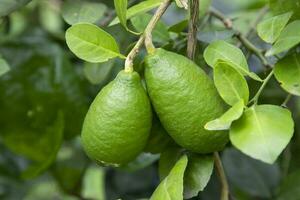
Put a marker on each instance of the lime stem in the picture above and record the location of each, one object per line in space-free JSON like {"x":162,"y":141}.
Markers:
{"x":192,"y":32}
{"x":222,"y":176}
{"x":146,"y":35}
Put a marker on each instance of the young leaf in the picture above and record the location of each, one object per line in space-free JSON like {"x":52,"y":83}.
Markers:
{"x":263,"y":132}
{"x":91,"y":43}
{"x":4,"y":67}
{"x":230,"y":84}
{"x":224,"y":122}
{"x":82,"y":11}
{"x":270,"y":29}
{"x":172,"y":186}
{"x":287,"y":72}
{"x":197,"y":174}
{"x":160,"y":33}
{"x":288,"y":38}
{"x":96,"y":73}
{"x":137,"y":9}
{"x":228,"y":52}
{"x":121,"y":10}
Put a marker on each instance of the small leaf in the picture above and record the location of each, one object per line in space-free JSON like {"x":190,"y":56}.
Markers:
{"x":82,"y":11}
{"x":160,"y":33}
{"x":287,"y":72}
{"x":270,"y":29}
{"x":197,"y":174}
{"x":97,"y":73}
{"x":228,"y":52}
{"x":182,"y":4}
{"x":137,"y":9}
{"x":288,"y":38}
{"x":224,"y":122}
{"x":230,"y":84}
{"x":172,"y":186}
{"x":91,"y":43}
{"x":263,"y":132}
{"x":4,"y":67}
{"x":121,"y":10}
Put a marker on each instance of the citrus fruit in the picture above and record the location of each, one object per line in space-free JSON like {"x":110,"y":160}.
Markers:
{"x":117,"y":125}
{"x":185,"y":99}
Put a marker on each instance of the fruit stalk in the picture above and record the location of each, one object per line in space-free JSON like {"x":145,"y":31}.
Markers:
{"x":223,"y":179}
{"x":192,"y":33}
{"x":147,"y":34}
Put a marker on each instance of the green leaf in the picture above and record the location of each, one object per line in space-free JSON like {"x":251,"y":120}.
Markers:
{"x":224,"y":122}
{"x":182,"y":4}
{"x":287,"y":72}
{"x":221,"y":50}
{"x":93,"y":183}
{"x":8,"y":6}
{"x":270,"y":29}
{"x":160,"y":33}
{"x":263,"y":132}
{"x":91,"y":43}
{"x":121,"y":10}
{"x":4,"y":67}
{"x":283,"y":6}
{"x":197,"y":174}
{"x":252,"y":176}
{"x":167,"y":160}
{"x":179,"y":27}
{"x":98,"y":73}
{"x":82,"y":11}
{"x":288,"y":38}
{"x":171,"y":188}
{"x":139,"y":8}
{"x":230,"y":84}
{"x":204,"y":7}
{"x":289,"y":189}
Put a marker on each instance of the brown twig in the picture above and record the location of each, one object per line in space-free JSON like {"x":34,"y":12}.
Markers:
{"x":222,"y":176}
{"x":192,"y":32}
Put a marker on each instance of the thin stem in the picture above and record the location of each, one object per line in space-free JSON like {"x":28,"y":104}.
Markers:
{"x":286,"y":100}
{"x":147,"y":34}
{"x":259,"y":17}
{"x":217,"y":14}
{"x":192,"y":33}
{"x":256,"y":97}
{"x":222,"y":176}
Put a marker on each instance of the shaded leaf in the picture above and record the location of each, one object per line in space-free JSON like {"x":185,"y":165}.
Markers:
{"x":282,"y":6}
{"x":289,"y":189}
{"x":251,"y":176}
{"x":288,"y":38}
{"x":160,"y":33}
{"x":270,"y":29}
{"x":230,"y":84}
{"x":8,"y":6}
{"x":167,"y":160}
{"x":171,"y":188}
{"x":287,"y":72}
{"x":82,"y":11}
{"x":140,"y":162}
{"x":91,"y":43}
{"x":263,"y":132}
{"x":139,"y":8}
{"x":224,"y":122}
{"x":197,"y":174}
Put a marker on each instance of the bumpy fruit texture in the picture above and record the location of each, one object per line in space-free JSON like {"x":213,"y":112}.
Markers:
{"x":158,"y":139}
{"x":117,"y":125}
{"x":185,"y":99}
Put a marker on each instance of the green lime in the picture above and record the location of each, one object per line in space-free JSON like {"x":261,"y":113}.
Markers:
{"x":117,"y":125}
{"x":185,"y":99}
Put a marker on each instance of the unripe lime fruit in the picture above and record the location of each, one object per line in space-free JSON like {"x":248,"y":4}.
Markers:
{"x":117,"y":125}
{"x":185,"y":99}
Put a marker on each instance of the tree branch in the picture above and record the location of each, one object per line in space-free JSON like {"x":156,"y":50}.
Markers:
{"x":192,"y":33}
{"x":222,"y":176}
{"x":147,"y":34}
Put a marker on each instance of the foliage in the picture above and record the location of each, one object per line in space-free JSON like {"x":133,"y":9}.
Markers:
{"x":56,"y":55}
